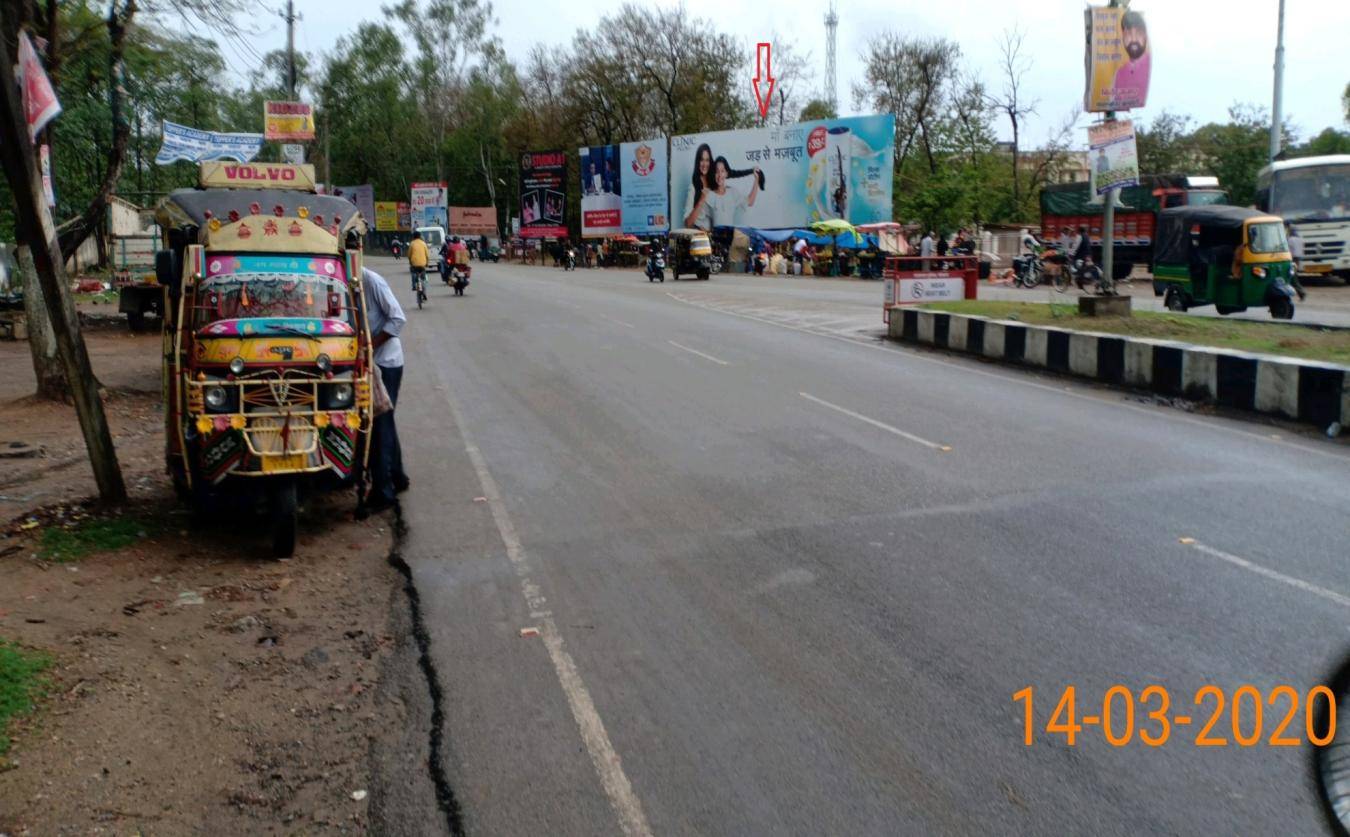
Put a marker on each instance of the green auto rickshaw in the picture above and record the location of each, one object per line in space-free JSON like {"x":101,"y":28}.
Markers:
{"x":690,"y":252}
{"x":1226,"y":256}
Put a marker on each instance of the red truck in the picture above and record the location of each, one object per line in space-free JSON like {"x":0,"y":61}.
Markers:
{"x":1068,"y":205}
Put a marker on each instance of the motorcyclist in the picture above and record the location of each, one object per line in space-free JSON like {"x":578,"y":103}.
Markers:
{"x":654,"y":252}
{"x":1082,"y":252}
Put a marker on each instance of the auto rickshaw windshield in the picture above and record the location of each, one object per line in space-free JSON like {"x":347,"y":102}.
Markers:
{"x":249,"y":295}
{"x":1267,"y":237}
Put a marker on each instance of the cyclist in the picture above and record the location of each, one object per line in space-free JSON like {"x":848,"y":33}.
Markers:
{"x":417,"y":259}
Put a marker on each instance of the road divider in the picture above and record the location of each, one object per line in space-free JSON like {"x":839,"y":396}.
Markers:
{"x":1308,"y":391}
{"x":938,"y":446}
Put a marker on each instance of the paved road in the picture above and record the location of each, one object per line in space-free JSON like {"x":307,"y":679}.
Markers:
{"x":786,"y":578}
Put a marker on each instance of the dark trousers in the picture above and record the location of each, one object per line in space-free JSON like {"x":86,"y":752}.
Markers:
{"x":386,"y":457}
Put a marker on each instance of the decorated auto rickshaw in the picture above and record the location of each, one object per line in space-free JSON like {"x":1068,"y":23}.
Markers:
{"x":1226,"y":256}
{"x":691,"y":252}
{"x":267,"y":352}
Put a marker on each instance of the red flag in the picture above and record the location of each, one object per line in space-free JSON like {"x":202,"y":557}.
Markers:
{"x":39,"y":99}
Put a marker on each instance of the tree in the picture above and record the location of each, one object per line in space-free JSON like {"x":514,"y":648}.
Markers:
{"x":1165,"y":145}
{"x":1014,"y":66}
{"x":911,"y":79}
{"x":791,"y":71}
{"x":447,"y":35}
{"x":817,"y":109}
{"x":1330,"y":141}
{"x":1234,"y":152}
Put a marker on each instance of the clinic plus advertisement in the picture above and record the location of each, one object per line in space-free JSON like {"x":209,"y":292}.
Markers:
{"x":623,"y":189}
{"x":786,"y":176}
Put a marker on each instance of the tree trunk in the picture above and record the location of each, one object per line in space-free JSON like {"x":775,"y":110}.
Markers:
{"x":47,"y":367}
{"x":1017,"y":194}
{"x":36,"y":230}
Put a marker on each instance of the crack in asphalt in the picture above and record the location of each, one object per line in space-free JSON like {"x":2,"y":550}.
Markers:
{"x":445,"y":795}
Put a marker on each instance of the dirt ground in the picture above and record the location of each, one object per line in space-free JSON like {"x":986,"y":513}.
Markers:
{"x":198,"y":686}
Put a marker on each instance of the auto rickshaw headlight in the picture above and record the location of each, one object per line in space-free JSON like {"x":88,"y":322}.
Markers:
{"x":217,"y":399}
{"x":337,"y":396}
{"x":324,"y":362}
{"x":237,"y":366}
{"x":1259,"y":272}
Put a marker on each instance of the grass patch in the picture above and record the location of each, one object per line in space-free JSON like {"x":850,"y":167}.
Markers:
{"x":89,"y":536}
{"x":1331,"y":345}
{"x":101,"y":298}
{"x":22,"y":683}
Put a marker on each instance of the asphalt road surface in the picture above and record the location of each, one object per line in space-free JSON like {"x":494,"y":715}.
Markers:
{"x":710,"y":558}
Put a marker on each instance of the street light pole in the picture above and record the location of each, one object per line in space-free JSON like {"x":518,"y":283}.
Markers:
{"x":1277,"y":105}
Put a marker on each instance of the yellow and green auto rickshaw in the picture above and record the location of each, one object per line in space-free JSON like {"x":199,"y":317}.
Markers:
{"x":267,"y":351}
{"x":1225,"y":256}
{"x":690,"y":252}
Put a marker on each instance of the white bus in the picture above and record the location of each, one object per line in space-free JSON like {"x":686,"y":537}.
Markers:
{"x":1313,"y":195}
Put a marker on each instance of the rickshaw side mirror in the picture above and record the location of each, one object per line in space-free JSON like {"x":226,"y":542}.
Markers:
{"x":169,"y":270}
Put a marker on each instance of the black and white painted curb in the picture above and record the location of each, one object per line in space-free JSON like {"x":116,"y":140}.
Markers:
{"x":1304,"y":390}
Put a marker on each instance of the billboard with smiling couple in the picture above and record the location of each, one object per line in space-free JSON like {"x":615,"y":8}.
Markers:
{"x":786,"y":176}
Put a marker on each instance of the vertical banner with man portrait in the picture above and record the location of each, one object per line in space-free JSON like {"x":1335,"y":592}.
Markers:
{"x":601,"y":191}
{"x":1113,"y":159}
{"x":785,"y":176}
{"x":543,"y":194}
{"x":1118,"y":59}
{"x":646,"y":192}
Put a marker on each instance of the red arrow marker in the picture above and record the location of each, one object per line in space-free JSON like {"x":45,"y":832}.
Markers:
{"x":763,"y":74}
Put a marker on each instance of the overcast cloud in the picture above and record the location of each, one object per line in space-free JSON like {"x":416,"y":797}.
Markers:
{"x":1207,"y":54}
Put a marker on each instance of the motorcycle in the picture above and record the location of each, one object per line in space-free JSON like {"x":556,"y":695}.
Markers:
{"x":570,"y":263}
{"x":656,"y":269}
{"x":397,"y":249}
{"x":455,"y":275}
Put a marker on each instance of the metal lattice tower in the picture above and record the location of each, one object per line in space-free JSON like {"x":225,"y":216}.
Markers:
{"x":831,"y":79}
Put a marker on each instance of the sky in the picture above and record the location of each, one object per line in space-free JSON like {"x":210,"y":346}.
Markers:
{"x":1207,"y":54}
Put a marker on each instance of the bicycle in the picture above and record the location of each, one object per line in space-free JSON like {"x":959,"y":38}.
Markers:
{"x":420,"y":284}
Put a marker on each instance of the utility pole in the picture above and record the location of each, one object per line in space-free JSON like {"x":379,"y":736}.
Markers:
{"x":290,"y":49}
{"x":1109,"y":217}
{"x":38,"y":231}
{"x":831,"y":79}
{"x":1277,"y":106}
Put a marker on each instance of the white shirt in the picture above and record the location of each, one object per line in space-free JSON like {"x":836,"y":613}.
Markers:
{"x":597,"y":183}
{"x":799,"y":247}
{"x":384,"y":314}
{"x":723,"y":209}
{"x":926,"y":246}
{"x":1296,"y":247}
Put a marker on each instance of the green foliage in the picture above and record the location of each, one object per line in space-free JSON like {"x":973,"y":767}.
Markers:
{"x":1330,"y":141}
{"x":1235,"y":151}
{"x":22,"y":683}
{"x":817,"y":109}
{"x":62,"y":544}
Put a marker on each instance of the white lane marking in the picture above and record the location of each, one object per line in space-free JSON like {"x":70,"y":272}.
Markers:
{"x":697,"y":352}
{"x":612,"y":320}
{"x":880,"y":342}
{"x":1305,"y":586}
{"x":603,"y":756}
{"x":881,"y":424}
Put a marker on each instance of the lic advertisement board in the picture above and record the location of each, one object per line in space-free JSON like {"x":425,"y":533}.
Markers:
{"x":543,"y":194}
{"x":623,"y":189}
{"x":786,"y":176}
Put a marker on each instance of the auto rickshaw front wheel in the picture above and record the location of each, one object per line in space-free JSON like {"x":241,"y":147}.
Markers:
{"x":1175,"y":300}
{"x":282,"y":509}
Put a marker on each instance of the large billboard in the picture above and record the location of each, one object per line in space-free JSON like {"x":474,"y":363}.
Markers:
{"x":543,"y":194}
{"x":601,"y":191}
{"x":788,"y":176}
{"x":624,"y":189}
{"x":1118,"y":59}
{"x":473,"y":221}
{"x":428,"y":201}
{"x":362,"y":196}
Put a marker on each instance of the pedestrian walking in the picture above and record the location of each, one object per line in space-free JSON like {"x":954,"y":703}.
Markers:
{"x":1296,"y":252}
